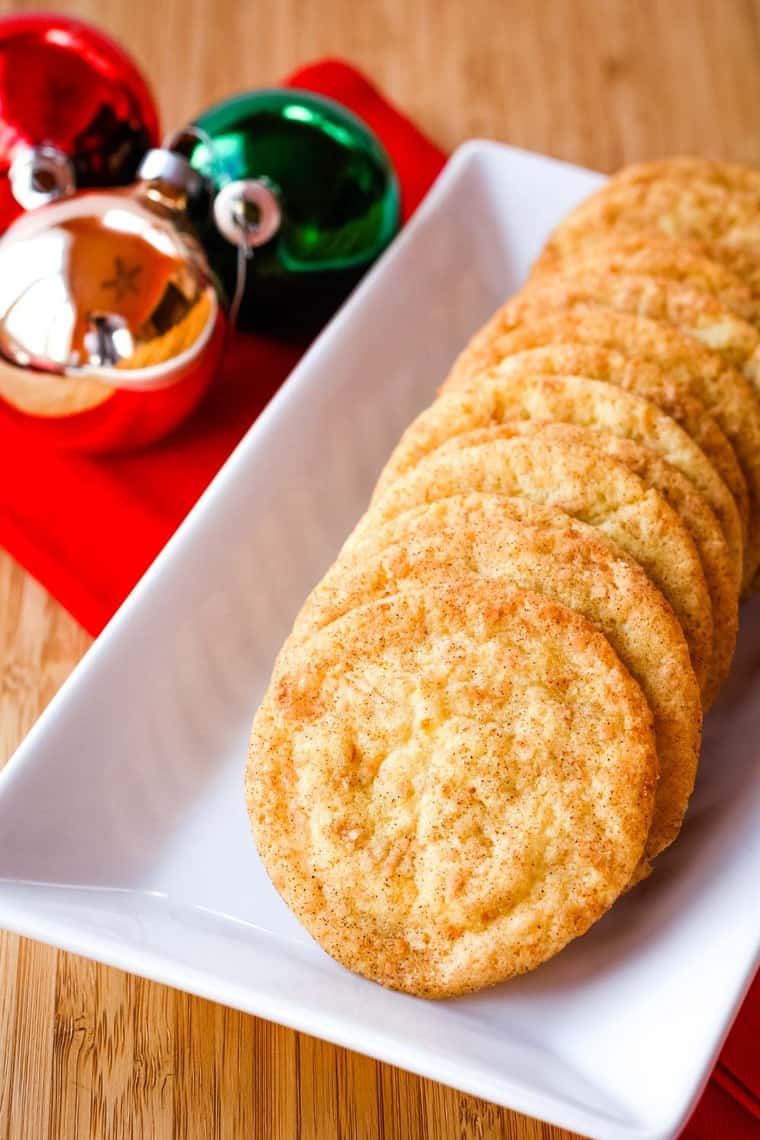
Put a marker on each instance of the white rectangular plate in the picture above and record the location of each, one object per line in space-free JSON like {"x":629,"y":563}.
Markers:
{"x":123,"y":834}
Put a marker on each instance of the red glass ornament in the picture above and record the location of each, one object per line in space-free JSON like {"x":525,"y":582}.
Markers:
{"x":75,"y":112}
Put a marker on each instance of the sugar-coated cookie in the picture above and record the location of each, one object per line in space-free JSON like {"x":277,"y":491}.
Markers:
{"x":449,"y":785}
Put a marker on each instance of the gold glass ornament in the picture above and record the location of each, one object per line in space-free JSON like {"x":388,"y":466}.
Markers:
{"x":107,"y":295}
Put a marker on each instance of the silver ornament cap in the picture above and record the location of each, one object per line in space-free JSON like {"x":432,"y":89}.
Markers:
{"x":39,"y":175}
{"x":247,"y":212}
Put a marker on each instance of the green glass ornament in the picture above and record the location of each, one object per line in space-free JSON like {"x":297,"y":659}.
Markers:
{"x":304,"y":199}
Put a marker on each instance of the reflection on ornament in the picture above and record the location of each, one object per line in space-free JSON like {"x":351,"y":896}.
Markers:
{"x":110,"y":324}
{"x":75,"y":112}
{"x":49,"y":395}
{"x":309,"y":186}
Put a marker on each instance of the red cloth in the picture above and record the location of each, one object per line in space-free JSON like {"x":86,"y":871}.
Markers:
{"x":730,"y":1106}
{"x":87,"y":529}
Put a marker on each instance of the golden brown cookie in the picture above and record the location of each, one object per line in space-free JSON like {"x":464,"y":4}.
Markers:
{"x":691,"y":167}
{"x":693,"y":310}
{"x":654,"y":254}
{"x":587,"y":485}
{"x":726,"y":394}
{"x":643,"y":378}
{"x":497,"y":396}
{"x":680,"y":493}
{"x":724,"y":220}
{"x":541,"y":549}
{"x":447,"y":786}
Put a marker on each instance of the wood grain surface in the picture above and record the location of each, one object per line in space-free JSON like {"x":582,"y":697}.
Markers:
{"x":86,"y":1051}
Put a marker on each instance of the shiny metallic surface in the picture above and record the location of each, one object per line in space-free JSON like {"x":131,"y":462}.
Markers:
{"x":168,"y":166}
{"x":65,"y":84}
{"x":336,"y":194}
{"x":106,"y":287}
{"x":247,"y":212}
{"x":39,"y":175}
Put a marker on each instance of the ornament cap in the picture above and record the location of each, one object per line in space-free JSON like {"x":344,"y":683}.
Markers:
{"x":163,"y":165}
{"x":40,"y":174}
{"x":247,"y":212}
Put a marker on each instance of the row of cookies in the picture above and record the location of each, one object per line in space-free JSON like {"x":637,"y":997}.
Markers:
{"x":487,"y":719}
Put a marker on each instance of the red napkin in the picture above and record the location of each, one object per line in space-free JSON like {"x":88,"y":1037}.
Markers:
{"x":730,"y":1106}
{"x":87,"y":529}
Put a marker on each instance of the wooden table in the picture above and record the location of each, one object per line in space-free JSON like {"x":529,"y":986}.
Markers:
{"x":86,"y":1051}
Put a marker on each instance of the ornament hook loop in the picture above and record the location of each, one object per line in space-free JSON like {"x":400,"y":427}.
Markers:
{"x":41,"y":174}
{"x":247,"y":212}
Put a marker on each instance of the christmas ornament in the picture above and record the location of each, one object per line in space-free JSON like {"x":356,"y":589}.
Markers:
{"x":304,"y":199}
{"x":110,"y":324}
{"x":74,"y":111}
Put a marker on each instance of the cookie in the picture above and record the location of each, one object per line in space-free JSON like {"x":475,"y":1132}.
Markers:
{"x":695,"y":311}
{"x":654,"y":254}
{"x":686,"y":501}
{"x":541,"y":549}
{"x":496,"y":397}
{"x":723,"y":219}
{"x":691,"y":167}
{"x":644,"y":379}
{"x":587,"y":485}
{"x":726,"y":394}
{"x":447,"y":786}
